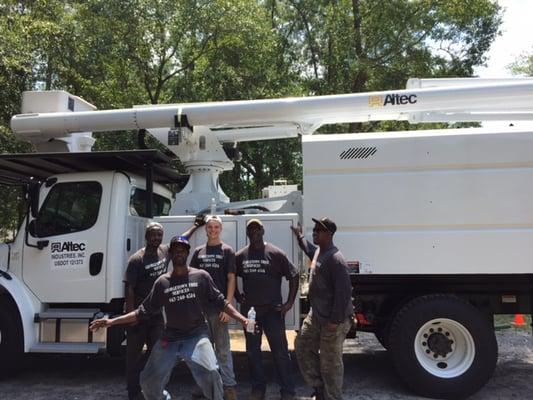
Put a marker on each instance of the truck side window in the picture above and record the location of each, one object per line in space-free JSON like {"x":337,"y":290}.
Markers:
{"x":161,"y":205}
{"x":69,"y":207}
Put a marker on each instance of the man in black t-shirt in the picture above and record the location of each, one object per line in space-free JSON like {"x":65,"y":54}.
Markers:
{"x":182,"y":294}
{"x":319,"y":342}
{"x":144,"y":267}
{"x":262,"y":266}
{"x":218,"y":259}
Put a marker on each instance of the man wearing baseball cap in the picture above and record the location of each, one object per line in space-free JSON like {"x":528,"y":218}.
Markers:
{"x":319,"y":342}
{"x":182,"y":294}
{"x":262,"y":266}
{"x":144,"y":267}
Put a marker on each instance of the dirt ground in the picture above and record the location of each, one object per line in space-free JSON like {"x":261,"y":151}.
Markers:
{"x":368,"y":375}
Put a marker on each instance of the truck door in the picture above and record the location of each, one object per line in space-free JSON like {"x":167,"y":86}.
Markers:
{"x":73,"y":219}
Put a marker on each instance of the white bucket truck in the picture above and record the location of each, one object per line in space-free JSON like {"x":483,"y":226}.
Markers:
{"x":437,"y":224}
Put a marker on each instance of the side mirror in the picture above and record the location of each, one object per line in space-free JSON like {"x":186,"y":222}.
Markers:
{"x":33,"y":193}
{"x":31,"y":228}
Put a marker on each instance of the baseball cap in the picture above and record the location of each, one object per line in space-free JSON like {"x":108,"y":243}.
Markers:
{"x":180,"y":240}
{"x":213,"y":218}
{"x":326,"y":223}
{"x":153,"y":225}
{"x":254,"y":221}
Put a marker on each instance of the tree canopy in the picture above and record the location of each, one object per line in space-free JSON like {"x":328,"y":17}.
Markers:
{"x":523,"y":65}
{"x":121,"y":53}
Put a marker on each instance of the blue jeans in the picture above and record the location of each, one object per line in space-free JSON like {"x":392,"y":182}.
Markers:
{"x":272,"y":324}
{"x":218,"y":331}
{"x":198,"y":354}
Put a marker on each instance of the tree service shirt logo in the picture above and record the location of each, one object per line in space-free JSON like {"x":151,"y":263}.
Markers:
{"x":255,"y":266}
{"x":182,"y":292}
{"x":156,"y":268}
{"x":210,"y":261}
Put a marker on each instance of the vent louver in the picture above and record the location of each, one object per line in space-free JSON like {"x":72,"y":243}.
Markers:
{"x":357,"y":152}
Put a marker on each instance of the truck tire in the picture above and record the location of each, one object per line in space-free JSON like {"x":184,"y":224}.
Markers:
{"x":443,"y":347}
{"x":11,"y":339}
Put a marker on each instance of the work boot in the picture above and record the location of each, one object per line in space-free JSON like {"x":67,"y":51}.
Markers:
{"x":257,"y":395}
{"x":230,"y":393}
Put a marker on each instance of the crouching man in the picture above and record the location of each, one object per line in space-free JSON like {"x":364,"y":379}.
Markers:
{"x":182,"y":294}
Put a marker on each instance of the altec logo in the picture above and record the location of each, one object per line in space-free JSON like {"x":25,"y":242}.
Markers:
{"x":67,"y":246}
{"x":392,"y":99}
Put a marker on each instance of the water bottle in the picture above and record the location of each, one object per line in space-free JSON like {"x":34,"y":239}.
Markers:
{"x":250,"y":328}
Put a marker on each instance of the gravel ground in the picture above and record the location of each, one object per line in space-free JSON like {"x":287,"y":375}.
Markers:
{"x":368,"y":375}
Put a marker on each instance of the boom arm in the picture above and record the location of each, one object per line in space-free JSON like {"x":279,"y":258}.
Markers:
{"x":195,"y":131}
{"x":305,"y":113}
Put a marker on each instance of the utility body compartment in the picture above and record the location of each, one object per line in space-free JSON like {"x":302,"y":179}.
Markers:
{"x":426,"y":202}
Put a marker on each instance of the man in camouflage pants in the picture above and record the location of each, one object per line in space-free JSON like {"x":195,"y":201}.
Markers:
{"x":319,"y":343}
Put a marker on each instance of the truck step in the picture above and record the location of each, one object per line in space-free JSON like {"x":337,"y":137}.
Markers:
{"x":66,"y":313}
{"x":82,"y":348}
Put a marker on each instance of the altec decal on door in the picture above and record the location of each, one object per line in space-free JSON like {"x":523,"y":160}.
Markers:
{"x":67,"y":255}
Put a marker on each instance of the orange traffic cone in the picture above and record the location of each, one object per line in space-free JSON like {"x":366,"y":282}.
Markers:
{"x":519,"y":320}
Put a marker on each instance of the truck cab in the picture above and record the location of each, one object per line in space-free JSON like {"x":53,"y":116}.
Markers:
{"x":67,"y":261}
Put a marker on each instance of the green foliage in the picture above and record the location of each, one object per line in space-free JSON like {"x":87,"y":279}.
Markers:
{"x":117,"y":54}
{"x":355,"y":45}
{"x":523,"y":65}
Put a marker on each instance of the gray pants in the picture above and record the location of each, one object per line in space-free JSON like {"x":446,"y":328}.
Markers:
{"x":218,"y":332}
{"x":319,"y":354}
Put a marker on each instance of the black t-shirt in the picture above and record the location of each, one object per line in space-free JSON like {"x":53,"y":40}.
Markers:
{"x":144,"y":269}
{"x":183,"y":299}
{"x":218,"y":261}
{"x":330,"y":288}
{"x":261,"y":272}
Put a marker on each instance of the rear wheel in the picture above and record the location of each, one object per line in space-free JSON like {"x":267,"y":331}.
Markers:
{"x":443,"y":347}
{"x":11,"y":340}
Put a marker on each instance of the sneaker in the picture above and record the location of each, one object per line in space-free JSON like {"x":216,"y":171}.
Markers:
{"x":166,"y":395}
{"x":257,"y":395}
{"x":230,"y":393}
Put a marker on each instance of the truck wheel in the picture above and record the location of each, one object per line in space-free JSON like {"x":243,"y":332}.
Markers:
{"x":11,"y":340}
{"x":443,"y":347}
